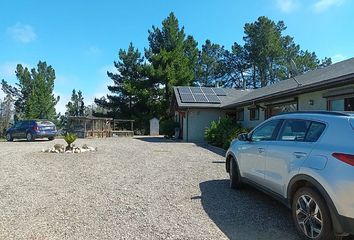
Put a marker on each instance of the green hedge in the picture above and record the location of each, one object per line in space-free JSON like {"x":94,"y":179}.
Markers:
{"x":222,"y":132}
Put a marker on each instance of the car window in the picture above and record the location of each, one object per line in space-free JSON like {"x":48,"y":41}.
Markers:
{"x":18,"y":124}
{"x":294,"y":130}
{"x":266,"y":131}
{"x":315,"y":131}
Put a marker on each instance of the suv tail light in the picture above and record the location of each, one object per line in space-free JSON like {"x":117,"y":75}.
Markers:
{"x":347,"y":158}
{"x":35,"y":128}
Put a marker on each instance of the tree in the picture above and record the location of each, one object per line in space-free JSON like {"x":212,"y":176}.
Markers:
{"x":6,"y":112}
{"x":33,"y":94}
{"x":131,"y":90}
{"x":76,"y":106}
{"x":173,"y":59}
{"x":235,"y":67}
{"x":209,"y":64}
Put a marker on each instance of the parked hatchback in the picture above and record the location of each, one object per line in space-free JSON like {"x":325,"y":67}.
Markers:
{"x":306,"y":160}
{"x":31,"y":129}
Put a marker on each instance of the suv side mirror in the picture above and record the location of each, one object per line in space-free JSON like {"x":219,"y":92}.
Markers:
{"x":243,"y":137}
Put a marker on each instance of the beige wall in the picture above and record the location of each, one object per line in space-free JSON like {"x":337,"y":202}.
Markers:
{"x":251,"y":124}
{"x":198,"y":121}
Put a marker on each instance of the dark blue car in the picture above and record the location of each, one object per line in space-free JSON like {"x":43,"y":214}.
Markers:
{"x":31,"y":129}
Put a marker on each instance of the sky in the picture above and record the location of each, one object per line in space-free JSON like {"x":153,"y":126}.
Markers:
{"x":81,"y":39}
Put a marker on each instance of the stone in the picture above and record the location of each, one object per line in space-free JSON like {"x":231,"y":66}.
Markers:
{"x":58,"y":147}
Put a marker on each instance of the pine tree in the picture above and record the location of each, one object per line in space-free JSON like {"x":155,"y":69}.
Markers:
{"x":33,"y":94}
{"x":173,"y":59}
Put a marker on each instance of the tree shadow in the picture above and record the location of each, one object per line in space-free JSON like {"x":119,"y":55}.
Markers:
{"x":247,"y":213}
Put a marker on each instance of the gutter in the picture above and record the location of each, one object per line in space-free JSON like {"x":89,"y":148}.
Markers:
{"x":300,"y":89}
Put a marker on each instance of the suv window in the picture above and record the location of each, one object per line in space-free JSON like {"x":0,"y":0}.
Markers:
{"x":266,"y":131}
{"x":315,"y":131}
{"x":301,"y":130}
{"x":294,"y":130}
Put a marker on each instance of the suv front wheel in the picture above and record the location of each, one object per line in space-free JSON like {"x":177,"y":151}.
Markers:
{"x":311,"y":215}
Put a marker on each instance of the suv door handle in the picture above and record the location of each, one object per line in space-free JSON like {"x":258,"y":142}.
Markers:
{"x":300,"y":154}
{"x":261,"y":150}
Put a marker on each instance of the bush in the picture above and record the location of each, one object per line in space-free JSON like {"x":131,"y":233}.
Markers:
{"x":70,"y":138}
{"x":222,"y":132}
{"x":167,"y":127}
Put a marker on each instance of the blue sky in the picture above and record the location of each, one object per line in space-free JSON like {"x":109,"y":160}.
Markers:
{"x":81,"y":39}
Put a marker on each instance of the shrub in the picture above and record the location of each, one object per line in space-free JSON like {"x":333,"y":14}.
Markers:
{"x":167,"y":127}
{"x":69,"y":139}
{"x":222,"y":132}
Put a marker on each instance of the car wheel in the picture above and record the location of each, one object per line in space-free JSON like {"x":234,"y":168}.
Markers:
{"x":9,"y":137}
{"x":235,"y":178}
{"x":29,"y":137}
{"x":311,"y":215}
{"x":51,"y":138}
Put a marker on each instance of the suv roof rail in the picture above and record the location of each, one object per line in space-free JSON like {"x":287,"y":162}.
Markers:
{"x":333,"y":113}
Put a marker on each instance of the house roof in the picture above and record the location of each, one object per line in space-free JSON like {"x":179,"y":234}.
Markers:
{"x":331,"y":75}
{"x":230,"y":95}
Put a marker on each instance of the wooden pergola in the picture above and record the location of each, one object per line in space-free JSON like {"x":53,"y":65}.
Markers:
{"x":85,"y":127}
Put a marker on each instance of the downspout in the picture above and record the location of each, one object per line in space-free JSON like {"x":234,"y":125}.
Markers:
{"x":187,"y":125}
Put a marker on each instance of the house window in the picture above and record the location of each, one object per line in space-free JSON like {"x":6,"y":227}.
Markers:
{"x":273,"y":110}
{"x":254,"y":114}
{"x":341,"y":104}
{"x":240,"y":114}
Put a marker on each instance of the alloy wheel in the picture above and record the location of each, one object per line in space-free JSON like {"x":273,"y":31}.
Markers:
{"x":309,"y":216}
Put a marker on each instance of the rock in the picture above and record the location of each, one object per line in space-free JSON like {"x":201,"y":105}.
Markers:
{"x":85,"y":146}
{"x":58,"y":147}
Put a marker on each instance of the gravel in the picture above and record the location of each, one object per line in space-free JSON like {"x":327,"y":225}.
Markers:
{"x":144,"y":188}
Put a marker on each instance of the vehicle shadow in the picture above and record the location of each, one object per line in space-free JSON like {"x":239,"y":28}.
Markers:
{"x":36,"y":140}
{"x":247,"y":213}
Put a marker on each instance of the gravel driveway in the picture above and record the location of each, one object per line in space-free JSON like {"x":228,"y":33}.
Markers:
{"x":143,"y":188}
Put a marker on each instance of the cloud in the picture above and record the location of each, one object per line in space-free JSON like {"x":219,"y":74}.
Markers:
{"x":323,"y":5}
{"x":287,"y":6}
{"x":338,"y":57}
{"x":22,"y":33}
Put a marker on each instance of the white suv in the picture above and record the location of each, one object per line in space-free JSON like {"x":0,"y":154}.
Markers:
{"x":306,"y":160}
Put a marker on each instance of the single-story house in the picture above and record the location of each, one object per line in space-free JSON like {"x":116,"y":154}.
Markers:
{"x":330,"y":88}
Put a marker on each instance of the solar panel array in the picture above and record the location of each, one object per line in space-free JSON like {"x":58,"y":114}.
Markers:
{"x":200,"y":94}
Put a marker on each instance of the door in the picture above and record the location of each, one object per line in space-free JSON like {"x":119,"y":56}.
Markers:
{"x":252,"y":154}
{"x":292,"y":147}
{"x":16,"y":130}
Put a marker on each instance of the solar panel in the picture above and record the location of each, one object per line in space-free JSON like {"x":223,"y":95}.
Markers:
{"x":213,"y":98}
{"x":196,"y":90}
{"x":187,"y":98}
{"x":207,"y":91}
{"x":219,"y":91}
{"x":200,"y":98}
{"x":184,"y":90}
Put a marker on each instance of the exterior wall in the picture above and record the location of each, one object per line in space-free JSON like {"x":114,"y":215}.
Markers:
{"x":319,"y":102}
{"x":198,"y":121}
{"x":247,"y":123}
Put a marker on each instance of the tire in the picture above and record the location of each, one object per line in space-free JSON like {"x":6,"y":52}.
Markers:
{"x":234,"y":173}
{"x":311,"y":215}
{"x":9,"y":137}
{"x":29,"y":137}
{"x":51,"y":138}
